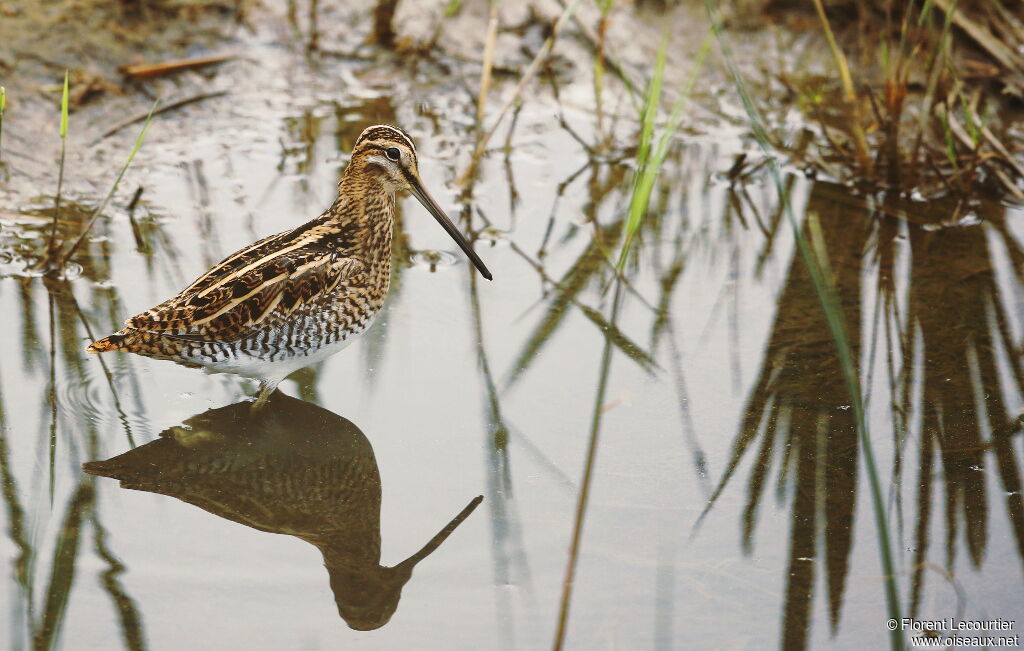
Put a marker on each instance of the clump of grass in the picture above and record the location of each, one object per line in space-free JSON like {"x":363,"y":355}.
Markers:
{"x":898,"y":138}
{"x":849,"y":93}
{"x":383,"y":23}
{"x":452,"y":8}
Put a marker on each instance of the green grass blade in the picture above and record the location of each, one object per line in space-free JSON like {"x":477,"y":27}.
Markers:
{"x":648,"y":164}
{"x":117,"y":181}
{"x":3,"y":104}
{"x":51,"y":245}
{"x":64,"y":109}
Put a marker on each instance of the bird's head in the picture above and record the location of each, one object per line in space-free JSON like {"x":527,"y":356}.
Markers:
{"x":388,"y":154}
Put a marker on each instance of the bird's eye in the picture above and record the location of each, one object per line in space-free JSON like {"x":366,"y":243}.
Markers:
{"x":393,"y":153}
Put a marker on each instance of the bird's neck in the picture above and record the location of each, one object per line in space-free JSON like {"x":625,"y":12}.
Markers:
{"x":365,"y":216}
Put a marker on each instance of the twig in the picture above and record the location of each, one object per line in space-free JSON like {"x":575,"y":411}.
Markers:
{"x":163,"y":109}
{"x":981,"y":35}
{"x":314,"y":34}
{"x":148,"y":70}
{"x":3,"y":103}
{"x":485,"y":74}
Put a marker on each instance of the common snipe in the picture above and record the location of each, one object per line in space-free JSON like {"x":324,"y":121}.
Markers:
{"x":292,"y":299}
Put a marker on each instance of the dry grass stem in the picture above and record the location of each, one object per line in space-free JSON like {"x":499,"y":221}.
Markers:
{"x":528,"y":75}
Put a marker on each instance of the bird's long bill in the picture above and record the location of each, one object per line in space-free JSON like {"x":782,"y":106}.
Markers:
{"x":441,"y":536}
{"x":428,"y":202}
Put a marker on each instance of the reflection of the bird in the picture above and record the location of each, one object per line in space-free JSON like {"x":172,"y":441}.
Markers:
{"x":295,"y":469}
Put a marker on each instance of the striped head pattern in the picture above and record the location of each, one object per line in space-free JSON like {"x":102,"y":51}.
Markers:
{"x":390,"y":150}
{"x":389,"y":153}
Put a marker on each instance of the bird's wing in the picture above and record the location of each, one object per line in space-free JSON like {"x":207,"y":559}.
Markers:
{"x":260,"y":293}
{"x":255,"y":251}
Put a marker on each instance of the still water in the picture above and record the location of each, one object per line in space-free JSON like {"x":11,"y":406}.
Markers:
{"x":300,"y":528}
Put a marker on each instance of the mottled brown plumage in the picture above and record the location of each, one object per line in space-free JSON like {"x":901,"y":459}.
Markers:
{"x":293,"y":298}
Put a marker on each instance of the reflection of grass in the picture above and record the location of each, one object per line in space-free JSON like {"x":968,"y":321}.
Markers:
{"x":508,"y":549}
{"x":954,"y":373}
{"x":17,"y":530}
{"x":62,"y":567}
{"x":51,"y":391}
{"x":800,"y":407}
{"x":957,"y":321}
{"x":566,"y":293}
{"x":65,"y":322}
{"x":128,"y":615}
{"x":583,"y":498}
{"x":814,"y":255}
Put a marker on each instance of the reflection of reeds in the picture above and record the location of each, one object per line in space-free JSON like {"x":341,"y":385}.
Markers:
{"x":584,"y":271}
{"x":16,"y":528}
{"x":813,"y":251}
{"x":129,"y":618}
{"x":957,"y":322}
{"x":506,"y":530}
{"x":800,"y":409}
{"x":953,"y":368}
{"x":51,"y":394}
{"x":62,"y":567}
{"x":583,"y":497}
{"x":64,"y":358}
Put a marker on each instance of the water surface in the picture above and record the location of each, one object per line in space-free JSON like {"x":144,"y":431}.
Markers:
{"x":723,"y":381}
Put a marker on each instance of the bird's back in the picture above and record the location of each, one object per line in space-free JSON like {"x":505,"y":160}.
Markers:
{"x":298,"y":295}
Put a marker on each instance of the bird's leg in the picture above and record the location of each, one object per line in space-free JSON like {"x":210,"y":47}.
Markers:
{"x":267,"y":387}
